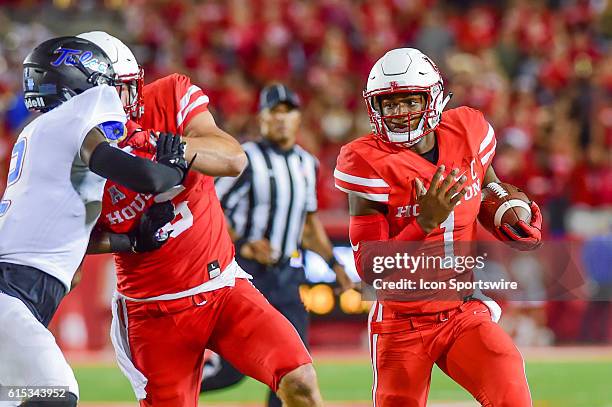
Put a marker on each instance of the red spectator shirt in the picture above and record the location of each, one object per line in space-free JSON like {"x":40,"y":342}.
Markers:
{"x":199,"y":240}
{"x":385,"y":173}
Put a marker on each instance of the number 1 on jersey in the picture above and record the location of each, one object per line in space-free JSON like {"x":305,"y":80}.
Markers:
{"x":448,"y":226}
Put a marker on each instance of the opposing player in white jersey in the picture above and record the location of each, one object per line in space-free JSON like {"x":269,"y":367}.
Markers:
{"x":53,"y":198}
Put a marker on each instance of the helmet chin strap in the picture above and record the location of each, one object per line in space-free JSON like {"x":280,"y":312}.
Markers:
{"x":66,"y":94}
{"x":445,"y":101}
{"x":416,"y":133}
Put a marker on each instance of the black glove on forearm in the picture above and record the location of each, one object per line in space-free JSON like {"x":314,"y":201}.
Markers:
{"x":146,"y":236}
{"x":171,"y":152}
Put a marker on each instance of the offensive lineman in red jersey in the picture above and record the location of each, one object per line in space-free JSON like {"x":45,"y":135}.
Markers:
{"x":386,"y":175}
{"x":189,"y":295}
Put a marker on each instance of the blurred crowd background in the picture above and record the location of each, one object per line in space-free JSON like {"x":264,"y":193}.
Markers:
{"x":541,"y":71}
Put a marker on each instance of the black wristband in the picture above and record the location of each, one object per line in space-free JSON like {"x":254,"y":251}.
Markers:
{"x":120,"y":243}
{"x":332,"y":262}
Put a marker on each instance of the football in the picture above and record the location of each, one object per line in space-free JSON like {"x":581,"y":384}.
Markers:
{"x":503,"y":203}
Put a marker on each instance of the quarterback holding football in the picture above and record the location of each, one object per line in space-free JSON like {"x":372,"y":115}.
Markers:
{"x":419,"y":176}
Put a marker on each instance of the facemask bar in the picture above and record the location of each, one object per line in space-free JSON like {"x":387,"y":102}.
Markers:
{"x":135,"y":101}
{"x":430,"y":115}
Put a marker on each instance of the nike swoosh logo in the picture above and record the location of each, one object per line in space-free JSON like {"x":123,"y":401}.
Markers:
{"x":199,"y":304}
{"x":355,"y":248}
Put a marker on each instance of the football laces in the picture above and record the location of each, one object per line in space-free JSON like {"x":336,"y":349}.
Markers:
{"x":497,"y":189}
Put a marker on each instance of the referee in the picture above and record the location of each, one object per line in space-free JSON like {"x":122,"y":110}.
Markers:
{"x":271,"y":211}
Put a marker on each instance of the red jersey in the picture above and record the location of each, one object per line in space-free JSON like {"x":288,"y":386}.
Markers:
{"x":385,"y":173}
{"x":199,"y":243}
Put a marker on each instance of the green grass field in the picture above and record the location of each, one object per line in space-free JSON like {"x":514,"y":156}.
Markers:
{"x":571,"y":383}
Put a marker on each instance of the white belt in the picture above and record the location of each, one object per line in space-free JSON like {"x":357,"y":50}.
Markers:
{"x":225,"y":279}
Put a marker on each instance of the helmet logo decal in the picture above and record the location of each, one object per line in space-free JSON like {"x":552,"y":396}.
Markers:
{"x":71,"y":57}
{"x":66,"y":55}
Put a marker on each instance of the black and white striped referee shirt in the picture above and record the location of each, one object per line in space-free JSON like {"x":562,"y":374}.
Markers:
{"x":271,"y":198}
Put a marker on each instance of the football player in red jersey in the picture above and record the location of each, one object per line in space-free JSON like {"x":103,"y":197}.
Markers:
{"x":190,"y":294}
{"x":417,"y":177}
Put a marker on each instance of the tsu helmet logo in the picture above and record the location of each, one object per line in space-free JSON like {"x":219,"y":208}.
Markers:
{"x":70,"y":57}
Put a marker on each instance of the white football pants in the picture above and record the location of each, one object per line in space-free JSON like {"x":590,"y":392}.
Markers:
{"x":29,"y":355}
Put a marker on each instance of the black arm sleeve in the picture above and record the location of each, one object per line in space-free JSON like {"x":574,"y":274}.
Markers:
{"x":135,"y":173}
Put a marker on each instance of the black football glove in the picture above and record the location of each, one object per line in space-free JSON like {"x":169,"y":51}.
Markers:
{"x":147,"y":236}
{"x":171,"y":152}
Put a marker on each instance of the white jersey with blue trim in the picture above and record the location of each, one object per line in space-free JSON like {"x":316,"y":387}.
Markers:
{"x":52,"y":199}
